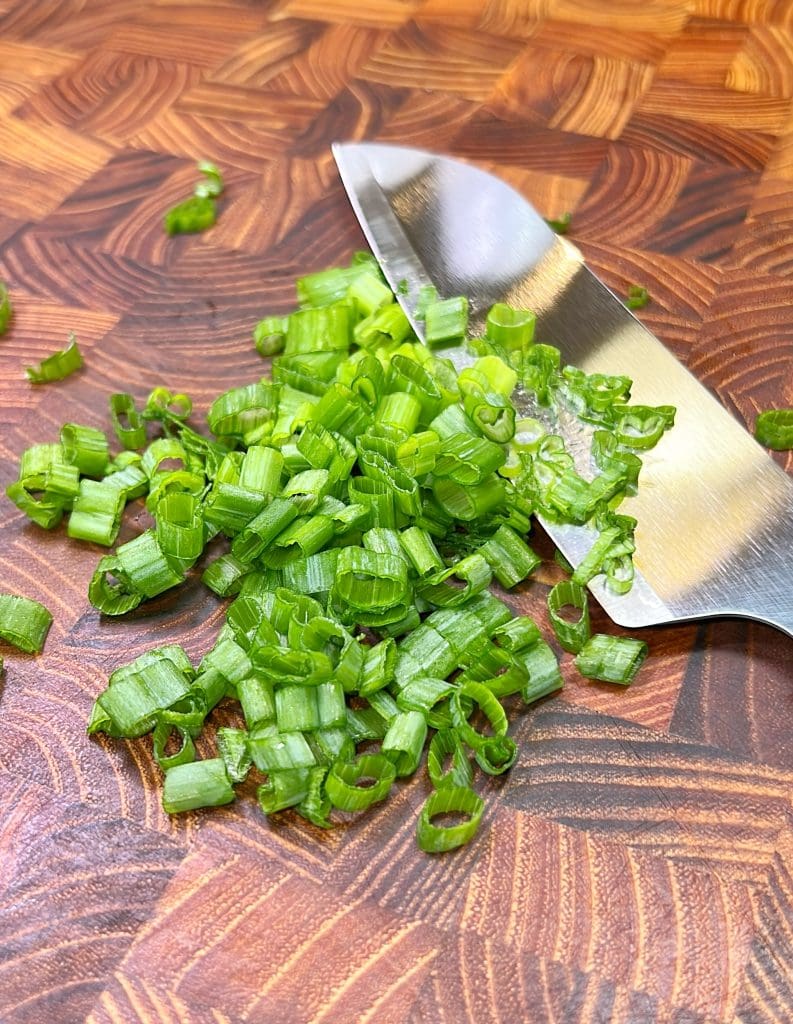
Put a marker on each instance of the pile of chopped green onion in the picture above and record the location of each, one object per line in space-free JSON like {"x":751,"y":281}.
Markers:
{"x":363,"y":498}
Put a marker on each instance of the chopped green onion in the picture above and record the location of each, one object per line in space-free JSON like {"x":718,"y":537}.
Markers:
{"x":24,"y":622}
{"x":197,"y":784}
{"x":283,"y":789}
{"x":184,"y":755}
{"x":420,"y":549}
{"x":315,"y":805}
{"x":370,"y":580}
{"x":233,"y":748}
{"x":543,"y":669}
{"x":369,"y":293}
{"x":497,"y":755}
{"x":274,"y":751}
{"x":326,"y":286}
{"x":453,"y":800}
{"x":138,"y":693}
{"x":163,"y":405}
{"x":58,"y":365}
{"x":224,"y":575}
{"x":96,"y":513}
{"x":517,"y":634}
{"x":446,"y":321}
{"x":404,"y":741}
{"x":146,"y":567}
{"x":86,"y":448}
{"x":190,"y":216}
{"x":6,"y":309}
{"x":212,"y":185}
{"x":128,"y":424}
{"x":612,"y":659}
{"x":244,"y":413}
{"x":445,"y":746}
{"x":331,"y":745}
{"x":109,"y":591}
{"x":512,"y":328}
{"x":269,"y":335}
{"x":638,"y":297}
{"x":417,"y":455}
{"x":509,"y":556}
{"x":452,"y":587}
{"x":774,"y":429}
{"x":572,"y":635}
{"x":561,"y":225}
{"x":378,"y":667}
{"x":487,"y":703}
{"x":368,"y":497}
{"x":358,"y":785}
{"x":472,"y":502}
{"x":429,"y":696}
{"x":468,"y":460}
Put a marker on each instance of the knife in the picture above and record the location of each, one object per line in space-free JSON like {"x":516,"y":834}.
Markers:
{"x":714,"y":511}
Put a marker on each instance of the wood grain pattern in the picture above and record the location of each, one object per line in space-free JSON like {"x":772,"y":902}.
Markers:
{"x":636,"y":866}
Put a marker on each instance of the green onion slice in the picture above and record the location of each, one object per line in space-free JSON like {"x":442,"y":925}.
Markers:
{"x":361,"y":783}
{"x":24,"y":622}
{"x":194,"y":214}
{"x":638,"y":297}
{"x":774,"y":429}
{"x":487,"y":703}
{"x":126,"y":420}
{"x":6,"y":309}
{"x":497,"y":755}
{"x":446,"y":749}
{"x":58,"y":365}
{"x":283,"y":789}
{"x":512,"y":328}
{"x":212,"y":183}
{"x":572,"y":635}
{"x":86,"y":448}
{"x":612,"y":659}
{"x":404,"y":741}
{"x":196,"y":784}
{"x":433,"y":837}
{"x":561,"y":224}
{"x":370,"y":580}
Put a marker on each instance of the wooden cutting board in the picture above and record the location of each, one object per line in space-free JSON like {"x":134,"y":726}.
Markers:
{"x":636,"y":864}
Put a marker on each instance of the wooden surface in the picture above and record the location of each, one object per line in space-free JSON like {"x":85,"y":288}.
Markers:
{"x":636,"y":864}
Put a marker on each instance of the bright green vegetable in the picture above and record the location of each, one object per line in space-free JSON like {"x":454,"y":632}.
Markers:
{"x":612,"y":659}
{"x":6,"y":309}
{"x":127,"y":423}
{"x":774,"y":429}
{"x":561,"y":225}
{"x":446,"y":321}
{"x":24,"y":622}
{"x":58,"y":365}
{"x":434,"y":838}
{"x":638,"y":297}
{"x":196,"y":784}
{"x":199,"y":211}
{"x":571,"y":634}
{"x":367,"y":495}
{"x":344,"y":782}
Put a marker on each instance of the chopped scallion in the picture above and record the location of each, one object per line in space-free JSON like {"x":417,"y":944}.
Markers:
{"x":58,"y":365}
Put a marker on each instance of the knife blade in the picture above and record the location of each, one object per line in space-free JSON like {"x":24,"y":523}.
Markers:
{"x":714,"y":511}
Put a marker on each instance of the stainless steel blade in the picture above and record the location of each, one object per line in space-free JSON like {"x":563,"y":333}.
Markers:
{"x":714,"y":511}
